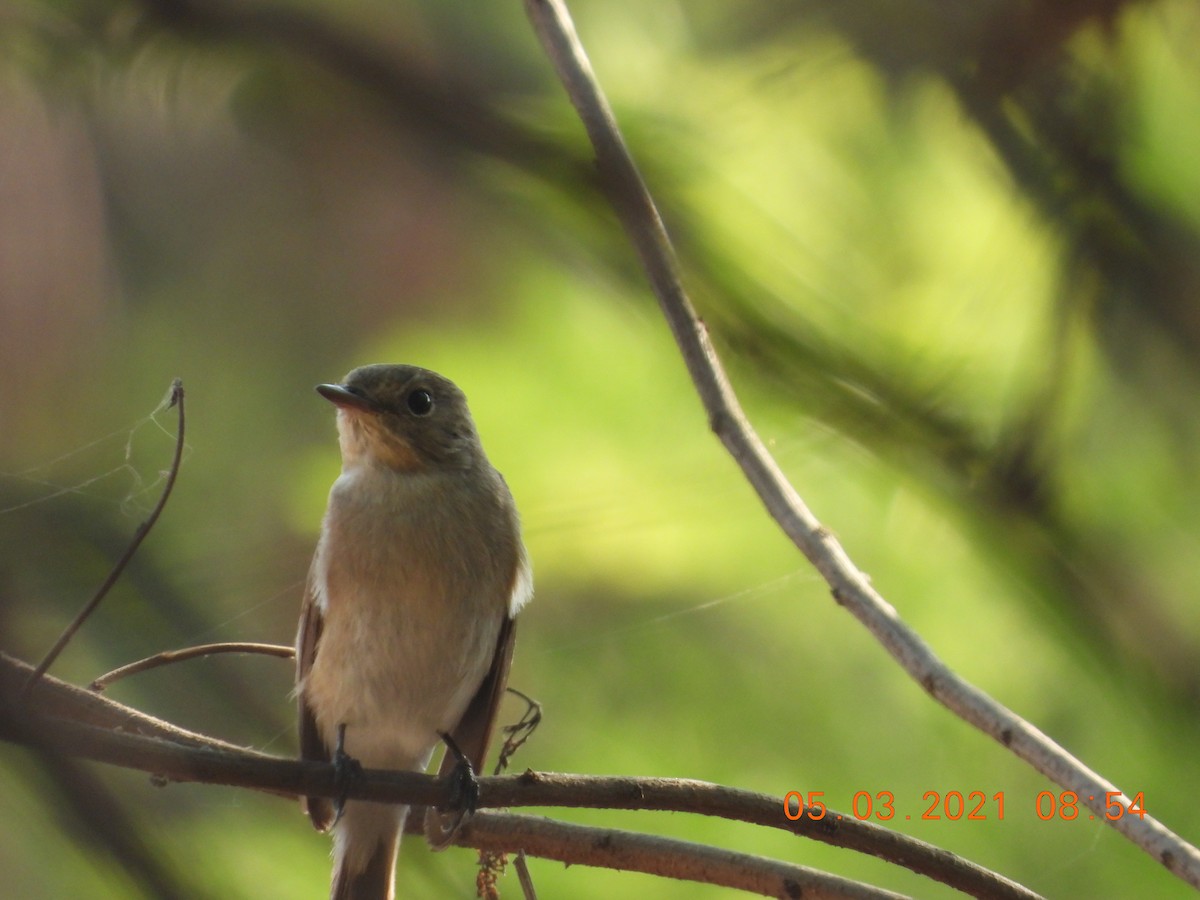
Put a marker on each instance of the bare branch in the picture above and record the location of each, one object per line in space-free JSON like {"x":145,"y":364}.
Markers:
{"x":167,"y":657}
{"x":174,"y":398}
{"x":665,"y":857}
{"x":524,"y":876}
{"x":850,"y":587}
{"x":704,"y":798}
{"x":70,"y":721}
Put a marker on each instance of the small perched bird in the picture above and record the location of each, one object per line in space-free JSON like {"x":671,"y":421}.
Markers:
{"x":407,"y":627}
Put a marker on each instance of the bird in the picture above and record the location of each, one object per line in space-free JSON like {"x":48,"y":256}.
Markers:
{"x":408,"y":622}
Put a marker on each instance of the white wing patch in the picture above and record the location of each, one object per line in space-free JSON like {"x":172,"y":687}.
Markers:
{"x":522,"y":585}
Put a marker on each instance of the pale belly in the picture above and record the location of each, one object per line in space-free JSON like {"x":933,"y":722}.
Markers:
{"x":397,"y":674}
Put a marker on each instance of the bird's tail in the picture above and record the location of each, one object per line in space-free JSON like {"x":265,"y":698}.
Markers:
{"x":372,"y":883}
{"x":366,"y":841}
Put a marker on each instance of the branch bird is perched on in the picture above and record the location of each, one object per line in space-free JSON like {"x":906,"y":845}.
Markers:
{"x":407,"y":627}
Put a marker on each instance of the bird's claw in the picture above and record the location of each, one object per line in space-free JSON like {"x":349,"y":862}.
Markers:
{"x":464,"y":786}
{"x":345,"y":769}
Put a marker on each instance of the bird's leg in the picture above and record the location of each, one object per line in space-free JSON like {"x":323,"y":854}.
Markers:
{"x":345,"y":769}
{"x":464,"y":788}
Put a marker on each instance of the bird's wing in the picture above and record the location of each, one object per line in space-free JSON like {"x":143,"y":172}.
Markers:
{"x":312,"y":745}
{"x":473,"y":733}
{"x":474,"y":730}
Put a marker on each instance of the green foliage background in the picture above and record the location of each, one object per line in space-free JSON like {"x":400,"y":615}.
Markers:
{"x":949,"y":252}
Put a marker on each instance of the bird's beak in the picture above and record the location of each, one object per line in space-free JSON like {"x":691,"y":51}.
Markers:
{"x":344,"y":398}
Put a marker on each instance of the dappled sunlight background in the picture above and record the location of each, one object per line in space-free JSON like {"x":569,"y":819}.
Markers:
{"x":950,"y":261}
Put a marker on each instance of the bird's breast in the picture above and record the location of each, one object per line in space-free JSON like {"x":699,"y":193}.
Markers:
{"x":414,"y":577}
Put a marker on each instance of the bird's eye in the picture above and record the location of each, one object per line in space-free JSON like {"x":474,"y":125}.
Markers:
{"x":420,"y":402}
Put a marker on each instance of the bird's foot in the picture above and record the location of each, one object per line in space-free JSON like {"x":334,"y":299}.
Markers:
{"x":345,"y":769}
{"x":464,"y":787}
{"x":443,"y":823}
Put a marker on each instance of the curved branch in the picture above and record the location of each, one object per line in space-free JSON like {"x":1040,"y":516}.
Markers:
{"x":174,"y":398}
{"x":71,"y":721}
{"x":52,"y":699}
{"x":666,"y":857}
{"x":636,"y":209}
{"x":167,"y":657}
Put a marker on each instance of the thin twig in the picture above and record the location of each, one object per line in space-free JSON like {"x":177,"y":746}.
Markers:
{"x":174,"y":398}
{"x":167,"y":657}
{"x":850,"y":587}
{"x":665,"y":857}
{"x":515,"y":736}
{"x":519,"y":732}
{"x":75,"y":722}
{"x":524,"y":876}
